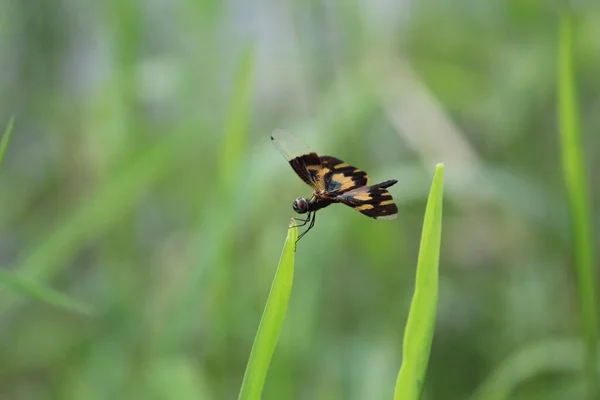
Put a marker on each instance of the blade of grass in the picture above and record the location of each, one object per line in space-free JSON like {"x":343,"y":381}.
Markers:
{"x":421,"y":318}
{"x":46,"y":259}
{"x":271,"y":321}
{"x":577,"y":192}
{"x":26,"y":287}
{"x":238,"y":118}
{"x":231,"y":159}
{"x":563,"y":356}
{"x":6,"y":138}
{"x":36,"y":291}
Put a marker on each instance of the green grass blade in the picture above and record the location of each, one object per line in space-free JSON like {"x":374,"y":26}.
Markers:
{"x":29,"y":288}
{"x":553,"y":356}
{"x":238,"y":120}
{"x":231,"y":160}
{"x":44,"y":260}
{"x":577,"y":192}
{"x":271,"y":321}
{"x":421,"y":318}
{"x":6,"y":138}
{"x":40,"y":292}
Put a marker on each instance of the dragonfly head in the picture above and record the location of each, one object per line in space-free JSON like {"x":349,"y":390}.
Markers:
{"x":300,"y":205}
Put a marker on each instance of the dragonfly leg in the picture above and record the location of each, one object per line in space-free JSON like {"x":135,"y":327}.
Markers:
{"x":304,"y":221}
{"x":312,"y":223}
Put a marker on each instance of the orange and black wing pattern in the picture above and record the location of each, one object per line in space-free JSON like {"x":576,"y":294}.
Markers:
{"x":305,"y":161}
{"x":373,"y":201}
{"x":340,"y":177}
{"x":335,"y":179}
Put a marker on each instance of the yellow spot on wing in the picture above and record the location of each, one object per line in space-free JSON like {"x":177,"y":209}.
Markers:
{"x":386,"y":202}
{"x":346,"y":182}
{"x":341,"y":165}
{"x":365,"y":196}
{"x":364,"y":207}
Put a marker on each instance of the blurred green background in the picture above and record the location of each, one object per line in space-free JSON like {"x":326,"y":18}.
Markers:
{"x":140,"y":181}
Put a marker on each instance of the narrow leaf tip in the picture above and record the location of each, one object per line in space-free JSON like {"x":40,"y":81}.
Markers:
{"x":292,"y":231}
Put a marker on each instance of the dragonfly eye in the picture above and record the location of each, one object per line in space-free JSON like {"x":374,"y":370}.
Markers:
{"x":300,"y":205}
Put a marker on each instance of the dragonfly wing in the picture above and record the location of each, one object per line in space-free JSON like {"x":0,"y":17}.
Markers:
{"x":303,"y":160}
{"x":373,"y":201}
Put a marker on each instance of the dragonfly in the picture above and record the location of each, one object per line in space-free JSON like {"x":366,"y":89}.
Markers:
{"x":332,"y":181}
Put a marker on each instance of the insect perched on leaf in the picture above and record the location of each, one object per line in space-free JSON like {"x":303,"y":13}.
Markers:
{"x":333,"y":181}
